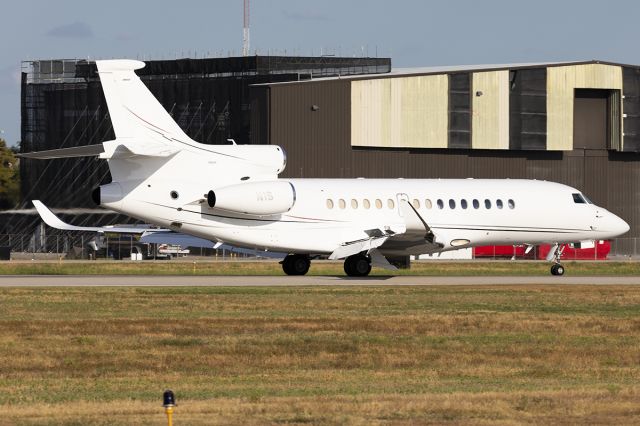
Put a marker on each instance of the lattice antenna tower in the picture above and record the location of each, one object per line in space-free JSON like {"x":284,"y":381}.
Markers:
{"x":245,"y":30}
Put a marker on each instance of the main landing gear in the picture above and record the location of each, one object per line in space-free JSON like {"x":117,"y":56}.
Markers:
{"x":557,"y":268}
{"x":296,"y":264}
{"x":358,"y":265}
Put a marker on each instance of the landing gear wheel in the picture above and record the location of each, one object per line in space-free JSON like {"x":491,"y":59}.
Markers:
{"x":296,"y":264}
{"x":557,"y":269}
{"x":357,"y":265}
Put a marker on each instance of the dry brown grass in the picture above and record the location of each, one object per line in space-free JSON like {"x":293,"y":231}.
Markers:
{"x":537,"y":354}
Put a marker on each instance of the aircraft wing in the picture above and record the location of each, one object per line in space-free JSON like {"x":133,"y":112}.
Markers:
{"x":418,"y":237}
{"x":54,"y":221}
{"x":149,"y":234}
{"x":415,"y":237}
{"x":177,"y":239}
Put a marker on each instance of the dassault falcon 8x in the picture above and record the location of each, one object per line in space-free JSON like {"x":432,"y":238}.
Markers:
{"x":232,"y":194}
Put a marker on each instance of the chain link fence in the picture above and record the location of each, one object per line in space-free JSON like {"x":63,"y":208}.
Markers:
{"x":84,"y":245}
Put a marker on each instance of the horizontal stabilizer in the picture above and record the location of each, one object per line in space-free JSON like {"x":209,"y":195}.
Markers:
{"x":76,"y":151}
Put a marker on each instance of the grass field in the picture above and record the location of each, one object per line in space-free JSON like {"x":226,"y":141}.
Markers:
{"x":322,"y":355}
{"x":270,"y":267}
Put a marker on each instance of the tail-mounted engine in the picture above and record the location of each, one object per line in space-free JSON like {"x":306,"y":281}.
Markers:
{"x":256,"y":198}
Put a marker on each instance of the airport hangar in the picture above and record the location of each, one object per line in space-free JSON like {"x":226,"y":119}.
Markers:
{"x":575,"y":122}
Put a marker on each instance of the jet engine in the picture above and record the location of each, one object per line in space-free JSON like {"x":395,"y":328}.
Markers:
{"x":255,"y":198}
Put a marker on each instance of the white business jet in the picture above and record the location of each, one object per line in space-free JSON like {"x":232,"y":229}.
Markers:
{"x":232,"y":194}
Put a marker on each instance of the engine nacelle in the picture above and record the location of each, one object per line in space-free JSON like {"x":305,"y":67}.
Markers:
{"x":109,"y":195}
{"x":255,"y":198}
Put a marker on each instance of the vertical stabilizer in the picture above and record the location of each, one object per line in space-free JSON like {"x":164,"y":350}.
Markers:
{"x":135,"y":113}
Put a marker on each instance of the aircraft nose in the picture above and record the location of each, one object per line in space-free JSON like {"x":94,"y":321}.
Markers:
{"x":619,"y":226}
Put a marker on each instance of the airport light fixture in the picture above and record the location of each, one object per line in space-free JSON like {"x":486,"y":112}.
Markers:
{"x":168,"y":402}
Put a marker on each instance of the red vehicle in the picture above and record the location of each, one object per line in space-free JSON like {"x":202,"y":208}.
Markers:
{"x":599,"y":252}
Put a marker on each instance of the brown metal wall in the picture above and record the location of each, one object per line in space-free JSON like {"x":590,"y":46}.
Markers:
{"x":318,"y":145}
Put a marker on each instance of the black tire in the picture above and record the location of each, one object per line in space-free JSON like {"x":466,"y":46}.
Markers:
{"x":357,"y":265}
{"x":557,"y":269}
{"x":296,"y":264}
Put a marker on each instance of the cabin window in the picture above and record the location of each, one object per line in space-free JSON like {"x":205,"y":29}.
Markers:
{"x":463,"y":204}
{"x":329,"y":203}
{"x":427,"y":203}
{"x":366,"y":203}
{"x":579,"y":199}
{"x":440,"y":204}
{"x":342,"y":203}
{"x":416,"y":204}
{"x":499,"y":204}
{"x":452,"y":204}
{"x":378,"y":203}
{"x":390,"y":203}
{"x":512,"y":204}
{"x":354,"y":204}
{"x":487,"y":203}
{"x":476,"y":204}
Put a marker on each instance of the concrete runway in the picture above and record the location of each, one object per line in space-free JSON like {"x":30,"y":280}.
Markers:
{"x":266,"y":281}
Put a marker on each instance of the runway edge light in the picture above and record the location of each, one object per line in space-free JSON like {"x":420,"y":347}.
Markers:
{"x":168,"y":402}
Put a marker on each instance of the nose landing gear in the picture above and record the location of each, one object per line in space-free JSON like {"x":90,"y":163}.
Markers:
{"x":557,"y":268}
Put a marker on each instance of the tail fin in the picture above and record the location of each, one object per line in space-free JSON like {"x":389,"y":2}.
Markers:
{"x":135,"y":113}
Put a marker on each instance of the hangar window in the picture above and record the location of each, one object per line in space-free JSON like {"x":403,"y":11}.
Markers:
{"x":487,"y":203}
{"x":579,"y":199}
{"x":390,"y":203}
{"x":416,"y":204}
{"x":463,"y":204}
{"x":342,"y":203}
{"x":476,"y":204}
{"x":499,"y":204}
{"x":378,"y":203}
{"x":366,"y":204}
{"x":440,"y":204}
{"x":512,"y":204}
{"x":329,"y":203}
{"x":452,"y":204}
{"x":354,"y":204}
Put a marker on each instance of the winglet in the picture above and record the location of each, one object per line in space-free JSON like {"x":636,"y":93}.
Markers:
{"x":53,"y":221}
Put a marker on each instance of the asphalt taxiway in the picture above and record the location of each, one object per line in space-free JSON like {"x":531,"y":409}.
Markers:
{"x":267,"y":281}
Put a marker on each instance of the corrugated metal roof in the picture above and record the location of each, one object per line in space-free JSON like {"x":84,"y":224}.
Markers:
{"x":404,"y":72}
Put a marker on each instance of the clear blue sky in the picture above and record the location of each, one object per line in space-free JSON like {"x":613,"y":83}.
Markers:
{"x":412,"y":32}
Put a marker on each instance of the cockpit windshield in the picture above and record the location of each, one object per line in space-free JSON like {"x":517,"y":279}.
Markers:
{"x":579,"y":198}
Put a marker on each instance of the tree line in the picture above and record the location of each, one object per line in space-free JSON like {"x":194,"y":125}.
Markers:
{"x":9,"y":177}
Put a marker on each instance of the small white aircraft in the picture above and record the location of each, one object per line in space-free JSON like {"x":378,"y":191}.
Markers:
{"x":232,"y":194}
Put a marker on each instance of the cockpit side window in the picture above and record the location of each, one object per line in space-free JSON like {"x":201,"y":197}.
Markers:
{"x":587,"y":199}
{"x":578,"y":199}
